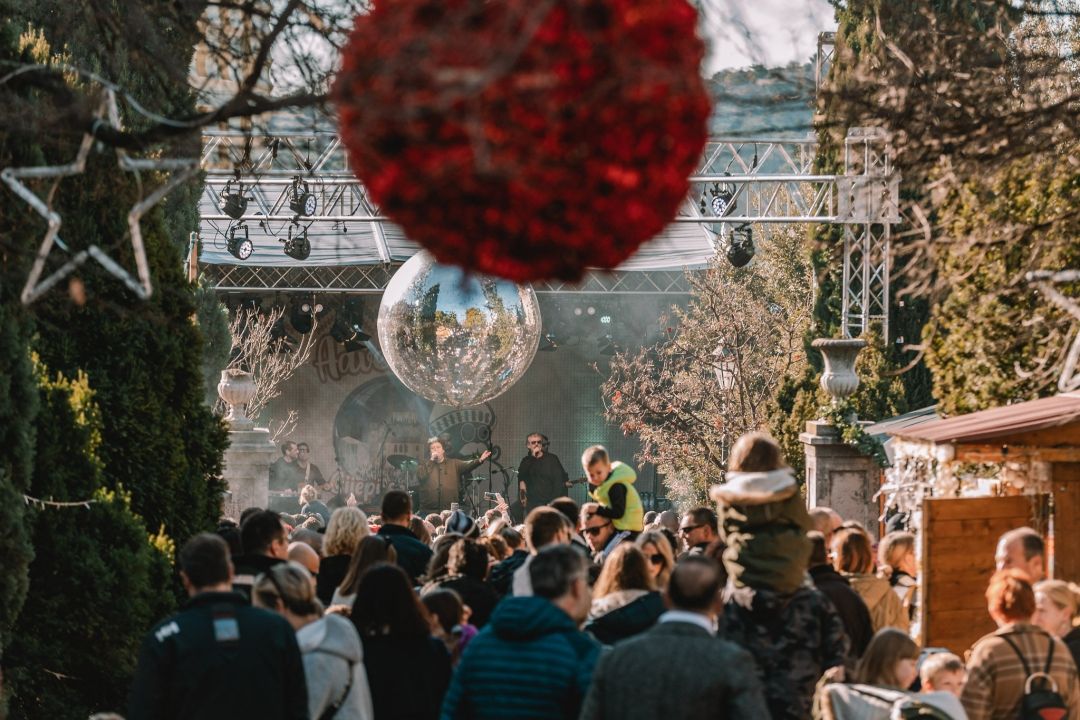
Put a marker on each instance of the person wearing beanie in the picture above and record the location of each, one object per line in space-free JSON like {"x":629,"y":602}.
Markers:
{"x":463,"y":525}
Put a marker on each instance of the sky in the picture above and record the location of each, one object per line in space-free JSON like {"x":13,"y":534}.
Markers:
{"x":770,"y":32}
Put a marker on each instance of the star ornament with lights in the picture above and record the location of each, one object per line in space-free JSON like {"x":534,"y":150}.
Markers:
{"x":13,"y":177}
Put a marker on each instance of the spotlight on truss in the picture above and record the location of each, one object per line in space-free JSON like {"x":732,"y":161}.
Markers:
{"x":239,"y":246}
{"x":302,"y":201}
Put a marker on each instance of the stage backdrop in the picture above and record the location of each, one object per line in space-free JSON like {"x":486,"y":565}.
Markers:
{"x":355,"y":415}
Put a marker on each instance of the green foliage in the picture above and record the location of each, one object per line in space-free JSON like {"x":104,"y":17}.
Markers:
{"x":842,"y":416}
{"x":91,"y":591}
{"x":213,"y":321}
{"x":994,"y":340}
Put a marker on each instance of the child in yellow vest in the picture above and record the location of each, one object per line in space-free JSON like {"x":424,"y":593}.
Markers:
{"x":612,"y":486}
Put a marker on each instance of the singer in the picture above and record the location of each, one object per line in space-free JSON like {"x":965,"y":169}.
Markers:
{"x":440,"y":478}
{"x":541,"y":476}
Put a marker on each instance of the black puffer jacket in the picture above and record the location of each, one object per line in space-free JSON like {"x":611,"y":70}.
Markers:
{"x":629,"y":620}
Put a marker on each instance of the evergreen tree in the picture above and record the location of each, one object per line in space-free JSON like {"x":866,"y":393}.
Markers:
{"x":91,"y":591}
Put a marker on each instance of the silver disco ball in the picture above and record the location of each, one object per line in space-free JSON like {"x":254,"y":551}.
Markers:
{"x":453,"y":338}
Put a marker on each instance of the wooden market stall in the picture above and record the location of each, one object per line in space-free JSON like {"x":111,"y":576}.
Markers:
{"x":970,"y":478}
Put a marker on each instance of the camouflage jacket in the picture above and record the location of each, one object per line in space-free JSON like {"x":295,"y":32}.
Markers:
{"x":794,"y":638}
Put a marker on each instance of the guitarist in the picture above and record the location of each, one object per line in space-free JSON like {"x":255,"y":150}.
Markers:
{"x":541,"y":476}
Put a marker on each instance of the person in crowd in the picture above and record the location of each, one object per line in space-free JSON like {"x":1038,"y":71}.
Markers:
{"x":996,"y":663}
{"x":249,"y":649}
{"x":793,"y":633}
{"x":467,"y":568}
{"x":531,"y":661}
{"x":435,"y":519}
{"x":347,"y":527}
{"x":848,"y":603}
{"x":501,"y":577}
{"x":659,"y":554}
{"x":698,"y":529}
{"x":1056,"y":611}
{"x":440,"y":558}
{"x":625,"y":599}
{"x":544,"y":527}
{"x":601,"y":535}
{"x":309,"y":472}
{"x":541,"y":476}
{"x":311,"y":504}
{"x":897,"y":564}
{"x":303,"y":554}
{"x":764,"y":519}
{"x":371,"y":551}
{"x":460,"y":523}
{"x":419,"y":528}
{"x":449,"y":621}
{"x":853,"y":558}
{"x":669,"y":520}
{"x":673,"y":670}
{"x":337,"y":685}
{"x":891,"y":660}
{"x":1023,"y":549}
{"x":408,"y":669}
{"x":413,"y":555}
{"x":886,"y":671}
{"x":229,"y":531}
{"x":265,"y":544}
{"x":572,"y":511}
{"x":943,"y":672}
{"x":312,"y":537}
{"x":497,"y":549}
{"x":440,"y":476}
{"x":612,"y":489}
{"x":284,"y":472}
{"x":826,"y":521}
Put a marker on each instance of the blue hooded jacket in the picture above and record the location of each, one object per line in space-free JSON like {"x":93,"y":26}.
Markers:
{"x":530,"y":662}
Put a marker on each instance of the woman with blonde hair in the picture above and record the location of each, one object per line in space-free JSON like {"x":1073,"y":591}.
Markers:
{"x":661,"y":560}
{"x":853,"y":557}
{"x":625,"y":599}
{"x":337,"y":684}
{"x":1057,"y":607}
{"x":897,"y":564}
{"x":347,"y":527}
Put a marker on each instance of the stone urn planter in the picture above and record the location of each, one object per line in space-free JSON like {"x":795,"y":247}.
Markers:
{"x":237,"y":388}
{"x":839,"y":379}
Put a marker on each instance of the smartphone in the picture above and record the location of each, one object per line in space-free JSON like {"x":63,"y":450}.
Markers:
{"x":493,"y":497}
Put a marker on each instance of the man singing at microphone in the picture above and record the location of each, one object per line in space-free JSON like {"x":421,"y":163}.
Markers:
{"x":440,"y":478}
{"x":541,"y":477}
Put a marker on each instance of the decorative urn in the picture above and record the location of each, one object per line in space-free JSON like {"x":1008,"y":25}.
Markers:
{"x":237,"y":388}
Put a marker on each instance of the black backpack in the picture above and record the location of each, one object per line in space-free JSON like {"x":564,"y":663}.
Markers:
{"x":1041,"y":699}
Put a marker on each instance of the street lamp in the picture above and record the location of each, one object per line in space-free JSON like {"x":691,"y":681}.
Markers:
{"x":727,"y":374}
{"x":725,"y":367}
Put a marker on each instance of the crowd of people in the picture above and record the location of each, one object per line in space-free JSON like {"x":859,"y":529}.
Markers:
{"x":759,"y":609}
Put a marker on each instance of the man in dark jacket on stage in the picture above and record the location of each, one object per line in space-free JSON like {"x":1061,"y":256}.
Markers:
{"x":531,"y":661}
{"x":219,"y":657}
{"x":541,"y":476}
{"x":440,"y":477}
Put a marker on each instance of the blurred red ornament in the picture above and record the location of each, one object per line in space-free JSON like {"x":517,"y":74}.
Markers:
{"x":528,"y":139}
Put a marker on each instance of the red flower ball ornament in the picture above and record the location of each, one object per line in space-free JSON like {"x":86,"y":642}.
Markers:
{"x":529,"y":139}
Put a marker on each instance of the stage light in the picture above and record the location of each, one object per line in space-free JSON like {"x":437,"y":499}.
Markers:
{"x":298,"y":248}
{"x":240,"y":247}
{"x":302,"y":201}
{"x":720,"y":199}
{"x":348,"y":326}
{"x":577,"y":311}
{"x":605,"y":319}
{"x":302,"y":315}
{"x":547,"y":343}
{"x":233,"y":204}
{"x":740,"y":250}
{"x":591,"y":310}
{"x":608,"y":346}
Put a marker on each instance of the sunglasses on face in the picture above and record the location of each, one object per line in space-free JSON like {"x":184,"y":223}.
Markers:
{"x":656,"y":559}
{"x":594,"y":531}
{"x":535,"y":442}
{"x":689,"y":529}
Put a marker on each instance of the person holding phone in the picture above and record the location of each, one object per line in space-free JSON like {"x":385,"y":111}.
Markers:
{"x":440,"y":477}
{"x":541,"y":476}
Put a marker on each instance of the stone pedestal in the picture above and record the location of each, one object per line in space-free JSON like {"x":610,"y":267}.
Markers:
{"x":839,"y":477}
{"x":247,"y":470}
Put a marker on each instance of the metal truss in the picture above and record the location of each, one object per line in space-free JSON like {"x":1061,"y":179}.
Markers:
{"x":739,"y":182}
{"x":372,"y":279}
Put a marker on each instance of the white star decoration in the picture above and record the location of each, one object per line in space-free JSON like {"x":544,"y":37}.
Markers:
{"x":36,"y":286}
